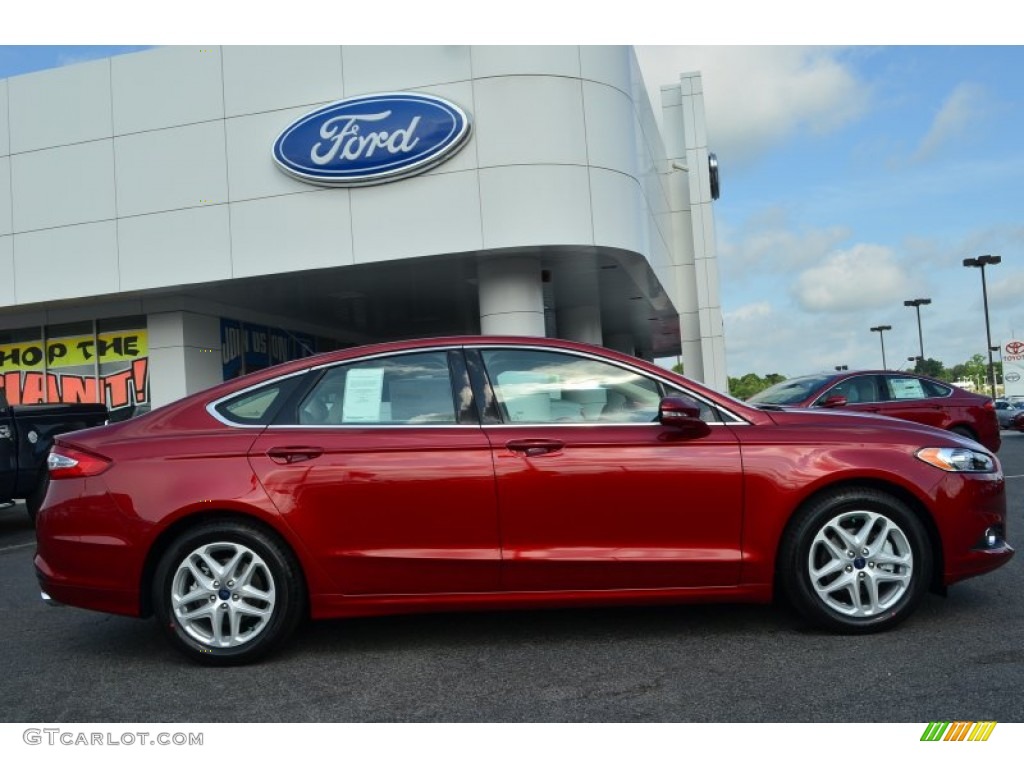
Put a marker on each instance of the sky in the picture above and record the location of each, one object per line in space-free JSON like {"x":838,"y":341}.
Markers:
{"x":861,"y":160}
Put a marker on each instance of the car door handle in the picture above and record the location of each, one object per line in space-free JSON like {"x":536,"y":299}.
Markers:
{"x":534,"y":446}
{"x":289,"y":454}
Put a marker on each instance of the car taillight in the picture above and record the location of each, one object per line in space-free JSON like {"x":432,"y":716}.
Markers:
{"x":989,"y":405}
{"x":65,"y":461}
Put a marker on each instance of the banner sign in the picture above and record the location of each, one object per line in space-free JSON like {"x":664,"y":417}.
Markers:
{"x":109,"y":367}
{"x":1013,"y":368}
{"x":248,"y":347}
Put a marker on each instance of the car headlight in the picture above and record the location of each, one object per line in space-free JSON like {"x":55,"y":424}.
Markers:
{"x":957,"y":459}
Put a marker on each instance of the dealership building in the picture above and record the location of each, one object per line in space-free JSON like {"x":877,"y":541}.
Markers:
{"x":174,"y":218}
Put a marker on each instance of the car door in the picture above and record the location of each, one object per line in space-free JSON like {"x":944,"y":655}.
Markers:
{"x":916,"y":399}
{"x":381,"y":467}
{"x":593,"y":492}
{"x":863,"y":392}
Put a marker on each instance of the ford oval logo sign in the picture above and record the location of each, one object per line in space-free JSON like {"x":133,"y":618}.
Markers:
{"x":371,"y":139}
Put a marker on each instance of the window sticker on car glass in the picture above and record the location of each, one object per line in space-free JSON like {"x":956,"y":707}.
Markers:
{"x":363,"y":390}
{"x":906,"y":389}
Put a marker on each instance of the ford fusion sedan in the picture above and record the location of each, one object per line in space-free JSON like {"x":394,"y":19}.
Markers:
{"x":475,"y":472}
{"x":892,"y":393}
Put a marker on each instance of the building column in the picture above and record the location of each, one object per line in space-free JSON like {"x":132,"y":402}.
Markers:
{"x":184,"y":355}
{"x":511,"y":296}
{"x":581,"y":324}
{"x":621,"y":342}
{"x":694,"y":250}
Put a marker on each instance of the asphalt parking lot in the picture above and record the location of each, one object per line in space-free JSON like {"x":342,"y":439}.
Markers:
{"x":959,"y":658}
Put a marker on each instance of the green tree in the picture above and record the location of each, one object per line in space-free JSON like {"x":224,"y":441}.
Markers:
{"x":750,"y":384}
{"x":930,"y":367}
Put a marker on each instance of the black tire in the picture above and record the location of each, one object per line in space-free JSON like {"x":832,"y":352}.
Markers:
{"x":34,"y":501}
{"x":853,"y":591}
{"x":244,"y":622}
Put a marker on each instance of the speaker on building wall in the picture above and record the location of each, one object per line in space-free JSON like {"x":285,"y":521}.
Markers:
{"x":713,"y":173}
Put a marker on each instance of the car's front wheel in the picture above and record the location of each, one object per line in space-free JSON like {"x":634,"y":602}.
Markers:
{"x":856,"y":560}
{"x":227,"y":592}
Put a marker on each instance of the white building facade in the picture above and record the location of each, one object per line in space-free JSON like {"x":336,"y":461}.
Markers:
{"x":150,"y":244}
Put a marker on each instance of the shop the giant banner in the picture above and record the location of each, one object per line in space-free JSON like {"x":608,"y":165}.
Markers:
{"x":108,"y":367}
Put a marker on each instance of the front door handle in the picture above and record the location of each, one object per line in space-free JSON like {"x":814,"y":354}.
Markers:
{"x":534,"y":446}
{"x":289,"y":454}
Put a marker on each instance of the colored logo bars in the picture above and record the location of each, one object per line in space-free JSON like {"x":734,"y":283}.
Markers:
{"x":958,"y":731}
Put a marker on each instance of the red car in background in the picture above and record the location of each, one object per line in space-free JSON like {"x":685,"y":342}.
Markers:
{"x":481,"y":472}
{"x":897,"y":394}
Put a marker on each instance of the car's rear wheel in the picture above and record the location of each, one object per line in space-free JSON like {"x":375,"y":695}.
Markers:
{"x":227,"y":592}
{"x":856,"y":560}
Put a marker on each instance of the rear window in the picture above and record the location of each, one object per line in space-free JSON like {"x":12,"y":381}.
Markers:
{"x":256,"y":407}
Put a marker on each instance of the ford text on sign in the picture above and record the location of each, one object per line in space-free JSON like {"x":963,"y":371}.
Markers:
{"x":371,"y":139}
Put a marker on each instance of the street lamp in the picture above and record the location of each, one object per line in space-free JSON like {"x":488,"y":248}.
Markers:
{"x":917,"y":304}
{"x":981,"y":262}
{"x":881,"y":329}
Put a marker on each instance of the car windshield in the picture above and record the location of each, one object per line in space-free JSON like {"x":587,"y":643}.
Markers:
{"x":789,"y":391}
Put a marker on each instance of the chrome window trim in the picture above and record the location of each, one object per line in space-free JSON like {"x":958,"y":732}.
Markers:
{"x":211,"y":407}
{"x":607,"y":361}
{"x":817,"y":402}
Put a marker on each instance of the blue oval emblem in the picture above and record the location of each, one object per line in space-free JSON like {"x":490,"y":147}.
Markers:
{"x":371,"y":139}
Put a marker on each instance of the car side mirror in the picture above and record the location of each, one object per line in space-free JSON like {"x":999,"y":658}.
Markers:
{"x":683,"y":414}
{"x":833,"y":401}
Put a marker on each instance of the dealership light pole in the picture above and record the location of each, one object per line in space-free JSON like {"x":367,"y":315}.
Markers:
{"x":881,"y":329}
{"x":981,"y":262}
{"x":917,"y":304}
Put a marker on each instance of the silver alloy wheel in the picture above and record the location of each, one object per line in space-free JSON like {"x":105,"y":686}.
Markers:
{"x":223,"y":594}
{"x":860,"y":563}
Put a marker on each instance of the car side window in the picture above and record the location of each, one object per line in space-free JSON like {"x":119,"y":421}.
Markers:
{"x":913,"y":388}
{"x":538,"y":387}
{"x":858,"y":389}
{"x":402,"y":389}
{"x":256,"y":407}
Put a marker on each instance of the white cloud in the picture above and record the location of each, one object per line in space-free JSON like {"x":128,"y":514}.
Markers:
{"x":862,"y":277}
{"x":757,"y":312}
{"x":757,"y":96}
{"x":956,"y":117}
{"x":771,"y":243}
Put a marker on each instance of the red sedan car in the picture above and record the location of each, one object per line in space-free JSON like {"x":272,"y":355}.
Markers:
{"x":501,"y":472}
{"x":893,"y":393}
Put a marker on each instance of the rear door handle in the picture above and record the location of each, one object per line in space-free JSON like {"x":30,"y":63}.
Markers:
{"x":289,"y":454}
{"x":534,"y":446}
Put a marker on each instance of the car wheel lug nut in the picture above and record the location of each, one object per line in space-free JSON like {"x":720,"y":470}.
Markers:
{"x":864,"y":551}
{"x":849,"y":568}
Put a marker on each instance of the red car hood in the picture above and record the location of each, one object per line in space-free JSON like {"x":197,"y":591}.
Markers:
{"x":900,"y":430}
